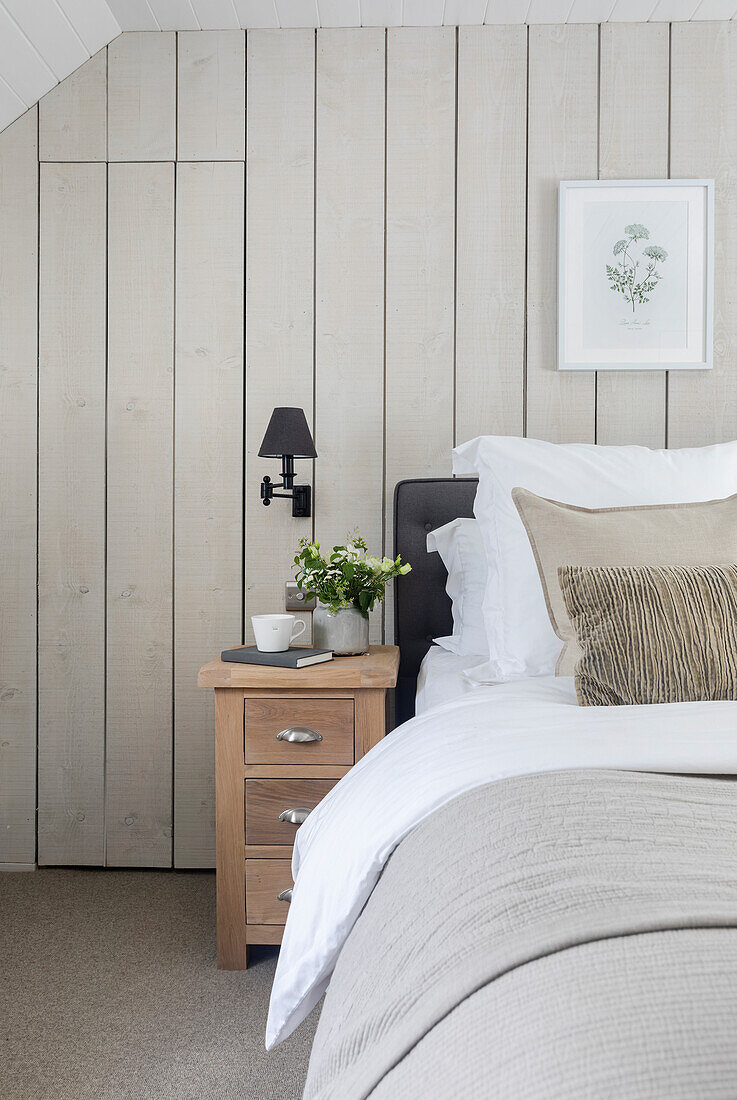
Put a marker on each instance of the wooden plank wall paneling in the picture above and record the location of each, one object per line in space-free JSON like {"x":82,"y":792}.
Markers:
{"x":386,"y":259}
{"x":490,"y":251}
{"x":702,"y":406}
{"x":71,"y":557}
{"x":562,"y":145}
{"x":633,"y":144}
{"x":279,"y":290}
{"x":208,"y":501}
{"x":142,"y":107}
{"x":349,"y":298}
{"x":18,"y":365}
{"x":138,"y":761}
{"x":420,"y":258}
{"x":212,"y":90}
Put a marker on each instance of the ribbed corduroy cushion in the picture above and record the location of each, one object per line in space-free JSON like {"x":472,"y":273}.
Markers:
{"x":653,"y":634}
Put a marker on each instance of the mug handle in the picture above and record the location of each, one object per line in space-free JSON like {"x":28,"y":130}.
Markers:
{"x":296,"y":634}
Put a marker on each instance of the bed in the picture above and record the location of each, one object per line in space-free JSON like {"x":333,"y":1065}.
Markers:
{"x":515,"y":896}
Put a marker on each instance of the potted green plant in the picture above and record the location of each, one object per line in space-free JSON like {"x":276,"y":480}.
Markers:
{"x":347,"y":584}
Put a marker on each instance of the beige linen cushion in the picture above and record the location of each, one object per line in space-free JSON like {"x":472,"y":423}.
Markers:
{"x":654,"y":634}
{"x":704,"y":533}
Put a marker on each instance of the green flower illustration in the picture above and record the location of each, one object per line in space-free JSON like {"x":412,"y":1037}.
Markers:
{"x":625,"y":278}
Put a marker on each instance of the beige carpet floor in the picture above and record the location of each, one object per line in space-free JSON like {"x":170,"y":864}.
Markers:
{"x":109,"y":990}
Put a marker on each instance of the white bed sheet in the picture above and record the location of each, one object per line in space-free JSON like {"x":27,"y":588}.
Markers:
{"x":441,"y":677}
{"x":490,"y":733}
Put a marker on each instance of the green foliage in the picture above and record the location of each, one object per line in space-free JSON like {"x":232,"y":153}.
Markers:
{"x":346,"y":577}
{"x":625,"y":278}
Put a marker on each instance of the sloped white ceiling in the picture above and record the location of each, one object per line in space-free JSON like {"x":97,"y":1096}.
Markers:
{"x":43,"y":41}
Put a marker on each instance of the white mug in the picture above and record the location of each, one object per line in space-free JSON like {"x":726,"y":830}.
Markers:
{"x":275,"y":633}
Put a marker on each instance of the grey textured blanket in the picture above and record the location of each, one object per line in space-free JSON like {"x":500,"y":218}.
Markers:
{"x":565,"y":935}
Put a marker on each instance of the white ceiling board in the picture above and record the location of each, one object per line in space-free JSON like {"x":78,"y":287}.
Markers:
{"x":216,"y":15}
{"x":632,"y":11}
{"x":133,"y":15}
{"x":549,"y":11}
{"x":11,"y":107}
{"x":716,"y":9}
{"x":339,"y":13}
{"x":667,"y":10}
{"x":51,"y":33}
{"x":297,"y":13}
{"x":174,"y":15}
{"x":590,"y":11}
{"x":507,"y":11}
{"x":421,"y":13}
{"x":381,"y":13}
{"x":256,"y":13}
{"x":93,"y":21}
{"x":20,"y":65}
{"x":458,"y":12}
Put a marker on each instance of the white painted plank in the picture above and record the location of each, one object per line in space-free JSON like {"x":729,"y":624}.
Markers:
{"x":633,"y":144}
{"x":548,"y":11}
{"x":340,"y":13}
{"x":702,"y":405}
{"x":675,"y":10}
{"x":51,"y":34}
{"x":208,"y":480}
{"x":11,"y":107}
{"x":18,"y":317}
{"x":212,"y":91}
{"x":458,"y":12}
{"x":279,"y":290}
{"x":349,"y":324}
{"x":93,"y":21}
{"x":715,"y":9}
{"x":420,"y":202}
{"x":71,"y":624}
{"x":142,"y":107}
{"x":133,"y":15}
{"x":506,"y":11}
{"x":73,"y":116}
{"x":174,"y":15}
{"x":216,"y":15}
{"x":23,"y":68}
{"x":590,"y":11}
{"x":630,"y":11}
{"x":381,"y":13}
{"x":297,"y":13}
{"x":138,"y":758}
{"x":257,"y":13}
{"x":420,"y":13}
{"x":490,"y":251}
{"x":562,"y":145}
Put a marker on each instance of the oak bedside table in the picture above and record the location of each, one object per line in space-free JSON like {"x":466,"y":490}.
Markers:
{"x":283,"y":738}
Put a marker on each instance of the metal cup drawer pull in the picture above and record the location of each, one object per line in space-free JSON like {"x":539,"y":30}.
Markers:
{"x":299,"y":734}
{"x":286,"y":895}
{"x":295,"y":816}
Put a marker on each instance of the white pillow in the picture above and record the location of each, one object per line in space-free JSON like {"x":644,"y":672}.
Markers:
{"x":461,"y":547}
{"x":521,"y":641}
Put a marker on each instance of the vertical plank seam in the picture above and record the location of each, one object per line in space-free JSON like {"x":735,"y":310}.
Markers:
{"x":455,"y":250}
{"x":38,"y":454}
{"x":666,"y":425}
{"x":314,"y":275}
{"x":598,"y":176}
{"x":174,"y":459}
{"x":245,"y":322}
{"x":105,"y":498}
{"x":527,"y":225}
{"x":383,"y":354}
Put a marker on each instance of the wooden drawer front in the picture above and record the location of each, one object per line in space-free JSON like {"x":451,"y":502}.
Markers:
{"x":267,"y":798}
{"x":265,"y":879}
{"x":332,"y":719}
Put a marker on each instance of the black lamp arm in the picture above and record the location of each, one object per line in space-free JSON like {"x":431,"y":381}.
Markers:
{"x":300,"y":496}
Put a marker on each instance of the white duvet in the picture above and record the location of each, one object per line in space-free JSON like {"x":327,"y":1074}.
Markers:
{"x":488,"y":734}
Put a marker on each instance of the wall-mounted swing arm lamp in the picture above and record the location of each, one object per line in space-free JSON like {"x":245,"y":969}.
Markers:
{"x":288,"y":437}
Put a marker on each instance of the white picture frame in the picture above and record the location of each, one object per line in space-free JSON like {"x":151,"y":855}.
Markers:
{"x":636,"y":274}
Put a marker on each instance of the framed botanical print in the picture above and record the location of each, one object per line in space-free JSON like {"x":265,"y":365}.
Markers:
{"x":636,"y":275}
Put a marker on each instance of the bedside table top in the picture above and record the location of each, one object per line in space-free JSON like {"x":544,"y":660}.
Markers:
{"x":375,"y":669}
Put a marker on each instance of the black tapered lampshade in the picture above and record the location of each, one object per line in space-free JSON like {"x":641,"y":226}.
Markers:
{"x":287,"y":434}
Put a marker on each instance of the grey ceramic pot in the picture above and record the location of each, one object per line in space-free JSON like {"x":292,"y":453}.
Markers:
{"x":346,"y":631}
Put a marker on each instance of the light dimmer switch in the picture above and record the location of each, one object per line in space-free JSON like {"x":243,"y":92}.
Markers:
{"x":294,"y":600}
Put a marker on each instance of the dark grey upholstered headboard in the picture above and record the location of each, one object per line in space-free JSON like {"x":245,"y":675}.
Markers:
{"x":422,"y":608}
